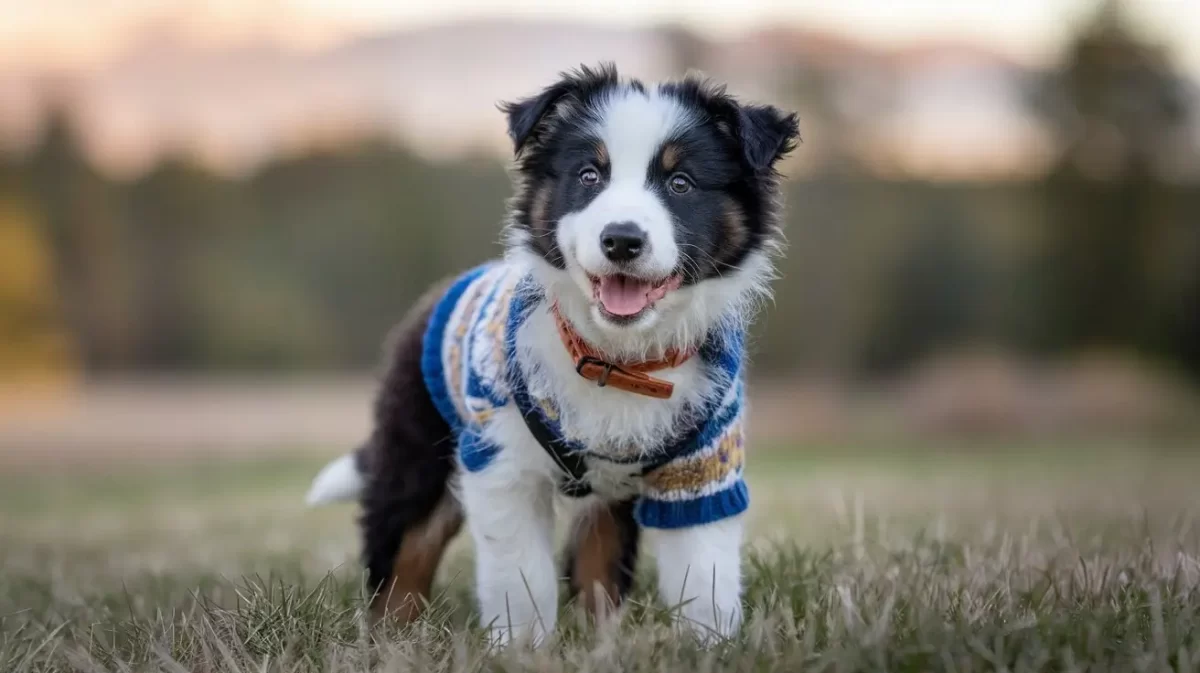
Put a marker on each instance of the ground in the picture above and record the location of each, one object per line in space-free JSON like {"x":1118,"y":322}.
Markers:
{"x":1017,"y":557}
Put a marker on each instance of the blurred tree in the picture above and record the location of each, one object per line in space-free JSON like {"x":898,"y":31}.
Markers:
{"x":1116,"y":108}
{"x":308,"y":262}
{"x":33,"y":341}
{"x":360,"y":232}
{"x":78,"y":210}
{"x":178,"y":214}
{"x":930,"y":299}
{"x":1178,"y":313}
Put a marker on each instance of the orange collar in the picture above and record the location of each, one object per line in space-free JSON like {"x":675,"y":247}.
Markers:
{"x":628,"y":376}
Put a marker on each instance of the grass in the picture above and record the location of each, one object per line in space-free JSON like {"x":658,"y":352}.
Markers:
{"x":948,"y":560}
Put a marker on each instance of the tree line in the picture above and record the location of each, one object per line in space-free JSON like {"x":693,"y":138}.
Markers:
{"x":306,"y":263}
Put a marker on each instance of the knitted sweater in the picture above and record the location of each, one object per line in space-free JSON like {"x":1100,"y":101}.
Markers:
{"x":471,"y":371}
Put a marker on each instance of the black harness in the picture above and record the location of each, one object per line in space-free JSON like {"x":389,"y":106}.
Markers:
{"x":571,"y":462}
{"x":571,"y":459}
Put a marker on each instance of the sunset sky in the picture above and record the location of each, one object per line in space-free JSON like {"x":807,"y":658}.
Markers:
{"x":83,"y":33}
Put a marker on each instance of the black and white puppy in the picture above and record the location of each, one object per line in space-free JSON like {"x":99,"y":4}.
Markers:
{"x":640,"y":241}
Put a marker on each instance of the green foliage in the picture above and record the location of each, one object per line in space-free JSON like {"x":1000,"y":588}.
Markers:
{"x":304,"y":265}
{"x":33,"y":339}
{"x":308,"y":262}
{"x":1119,"y":112}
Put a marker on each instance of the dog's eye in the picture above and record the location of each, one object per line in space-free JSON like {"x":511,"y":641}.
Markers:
{"x":680,"y":184}
{"x":589,"y":177}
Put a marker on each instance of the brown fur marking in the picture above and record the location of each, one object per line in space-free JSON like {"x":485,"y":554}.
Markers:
{"x":671,"y":154}
{"x":733,"y":226}
{"x":601,"y":154}
{"x":597,"y":553}
{"x":539,"y":205}
{"x":416,"y":563}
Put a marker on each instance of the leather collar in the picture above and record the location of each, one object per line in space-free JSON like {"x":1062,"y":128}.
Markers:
{"x":631,"y":377}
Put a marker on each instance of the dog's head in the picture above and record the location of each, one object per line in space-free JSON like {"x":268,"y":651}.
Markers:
{"x":649,"y":213}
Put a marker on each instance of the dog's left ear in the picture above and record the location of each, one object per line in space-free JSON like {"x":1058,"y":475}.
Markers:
{"x":766,"y":135}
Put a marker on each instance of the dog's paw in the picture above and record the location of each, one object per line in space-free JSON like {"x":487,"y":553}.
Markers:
{"x":709,"y":624}
{"x":501,"y":637}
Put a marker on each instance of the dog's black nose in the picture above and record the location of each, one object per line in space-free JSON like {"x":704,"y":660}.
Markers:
{"x":622,"y":241}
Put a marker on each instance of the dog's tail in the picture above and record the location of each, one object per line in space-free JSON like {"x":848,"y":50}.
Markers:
{"x":340,"y":481}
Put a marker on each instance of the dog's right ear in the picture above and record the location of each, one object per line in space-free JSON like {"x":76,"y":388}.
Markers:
{"x":525,"y":116}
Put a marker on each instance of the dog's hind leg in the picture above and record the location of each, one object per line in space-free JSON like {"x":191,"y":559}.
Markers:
{"x":409,"y":513}
{"x":402,"y":559}
{"x":601,"y":555}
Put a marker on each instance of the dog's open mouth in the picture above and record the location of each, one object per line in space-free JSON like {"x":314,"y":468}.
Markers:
{"x":626,"y":297}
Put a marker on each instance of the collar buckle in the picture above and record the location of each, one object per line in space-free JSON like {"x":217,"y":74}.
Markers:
{"x":607,"y":369}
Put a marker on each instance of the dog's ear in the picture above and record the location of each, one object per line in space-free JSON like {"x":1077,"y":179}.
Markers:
{"x":525,"y":116}
{"x":766,"y":135}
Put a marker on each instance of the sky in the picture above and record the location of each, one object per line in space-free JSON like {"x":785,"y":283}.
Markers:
{"x":86,"y":33}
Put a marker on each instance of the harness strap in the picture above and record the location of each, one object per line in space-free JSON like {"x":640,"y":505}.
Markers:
{"x":575,"y":483}
{"x":568,"y":458}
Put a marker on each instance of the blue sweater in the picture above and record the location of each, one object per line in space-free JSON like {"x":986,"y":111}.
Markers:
{"x":471,"y":371}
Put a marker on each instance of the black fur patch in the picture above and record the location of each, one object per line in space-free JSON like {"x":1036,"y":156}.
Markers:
{"x":410,"y":454}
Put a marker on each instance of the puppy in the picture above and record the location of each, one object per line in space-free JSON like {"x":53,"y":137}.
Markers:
{"x":600,"y":361}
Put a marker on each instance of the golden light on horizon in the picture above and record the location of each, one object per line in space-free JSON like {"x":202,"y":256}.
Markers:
{"x":68,"y":34}
{"x":232,"y":83}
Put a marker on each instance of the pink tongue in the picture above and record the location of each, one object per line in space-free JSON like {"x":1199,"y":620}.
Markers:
{"x":622,"y":295}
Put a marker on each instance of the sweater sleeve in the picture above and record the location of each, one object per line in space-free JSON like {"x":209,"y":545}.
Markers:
{"x":701,"y":486}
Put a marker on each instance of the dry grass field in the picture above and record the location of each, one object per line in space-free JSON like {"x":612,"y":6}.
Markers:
{"x":1016,"y":558}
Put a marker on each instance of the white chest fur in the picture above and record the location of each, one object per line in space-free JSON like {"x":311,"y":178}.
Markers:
{"x":610,"y":422}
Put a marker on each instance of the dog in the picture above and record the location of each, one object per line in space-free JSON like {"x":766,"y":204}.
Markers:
{"x":599,"y":361}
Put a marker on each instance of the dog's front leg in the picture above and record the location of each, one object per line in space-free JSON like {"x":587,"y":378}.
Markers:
{"x":510,"y":513}
{"x":700,"y":574}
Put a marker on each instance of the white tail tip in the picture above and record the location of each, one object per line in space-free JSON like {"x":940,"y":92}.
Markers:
{"x":338,"y":481}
